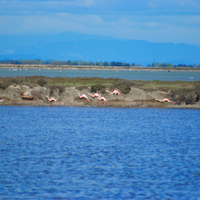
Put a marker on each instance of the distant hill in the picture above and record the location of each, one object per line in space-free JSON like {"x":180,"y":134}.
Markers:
{"x":74,"y":46}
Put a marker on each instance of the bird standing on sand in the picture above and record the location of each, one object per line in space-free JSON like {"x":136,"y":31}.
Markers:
{"x":116,"y":92}
{"x":101,"y":98}
{"x":83,"y":96}
{"x":51,"y":100}
{"x":94,"y":95}
{"x":165,"y":100}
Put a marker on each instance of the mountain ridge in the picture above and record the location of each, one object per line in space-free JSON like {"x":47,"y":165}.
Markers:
{"x":76,"y":46}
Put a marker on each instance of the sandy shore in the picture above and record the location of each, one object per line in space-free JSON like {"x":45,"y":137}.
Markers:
{"x":113,"y":104}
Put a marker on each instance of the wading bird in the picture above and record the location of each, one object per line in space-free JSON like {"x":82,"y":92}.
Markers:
{"x":103,"y":99}
{"x":51,"y":100}
{"x":165,"y":100}
{"x":94,"y":95}
{"x":83,"y":96}
{"x":115,"y":92}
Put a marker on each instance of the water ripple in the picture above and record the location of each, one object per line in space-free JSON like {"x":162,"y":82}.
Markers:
{"x":71,"y":153}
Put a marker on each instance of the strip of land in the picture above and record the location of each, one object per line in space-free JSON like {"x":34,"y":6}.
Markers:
{"x":32,"y":91}
{"x":95,"y":67}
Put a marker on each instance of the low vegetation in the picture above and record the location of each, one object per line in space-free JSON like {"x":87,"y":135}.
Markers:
{"x":179,"y":91}
{"x":96,"y":84}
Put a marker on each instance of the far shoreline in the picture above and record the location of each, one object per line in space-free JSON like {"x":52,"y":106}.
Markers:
{"x":94,"y":67}
{"x":132,"y":105}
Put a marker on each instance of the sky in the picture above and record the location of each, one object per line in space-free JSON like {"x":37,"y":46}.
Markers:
{"x":159,"y":21}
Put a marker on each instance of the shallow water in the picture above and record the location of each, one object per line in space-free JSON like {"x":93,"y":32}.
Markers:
{"x":99,"y":153}
{"x":123,"y":74}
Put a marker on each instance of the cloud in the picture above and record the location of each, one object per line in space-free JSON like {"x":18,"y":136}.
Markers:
{"x":44,"y":6}
{"x":173,"y":29}
{"x":152,"y":20}
{"x":151,"y":7}
{"x":116,"y":7}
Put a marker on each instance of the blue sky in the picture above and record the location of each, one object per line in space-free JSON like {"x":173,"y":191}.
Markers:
{"x":174,"y":21}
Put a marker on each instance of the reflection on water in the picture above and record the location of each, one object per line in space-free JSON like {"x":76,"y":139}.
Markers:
{"x":123,"y":74}
{"x":99,"y":153}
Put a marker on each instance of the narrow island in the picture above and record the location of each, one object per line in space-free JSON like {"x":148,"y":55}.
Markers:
{"x":39,"y":90}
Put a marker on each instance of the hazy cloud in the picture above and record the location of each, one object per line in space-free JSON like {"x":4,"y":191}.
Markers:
{"x":108,"y":6}
{"x":152,"y":20}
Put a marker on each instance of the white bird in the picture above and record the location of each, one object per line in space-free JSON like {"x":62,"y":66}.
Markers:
{"x":52,"y":99}
{"x":83,"y":96}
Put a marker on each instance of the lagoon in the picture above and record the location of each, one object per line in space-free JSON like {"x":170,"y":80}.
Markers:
{"x":123,"y":74}
{"x":99,"y":153}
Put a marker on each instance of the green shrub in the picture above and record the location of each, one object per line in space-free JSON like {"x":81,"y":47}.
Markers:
{"x":197,"y":85}
{"x":14,"y":80}
{"x":82,"y":87}
{"x":41,"y":82}
{"x":61,"y":88}
{"x":98,"y":88}
{"x":3,"y":86}
{"x":184,"y":96}
{"x":56,"y":87}
{"x":123,"y":86}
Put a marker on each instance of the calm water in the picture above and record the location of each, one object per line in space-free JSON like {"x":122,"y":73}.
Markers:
{"x":123,"y":74}
{"x":99,"y":153}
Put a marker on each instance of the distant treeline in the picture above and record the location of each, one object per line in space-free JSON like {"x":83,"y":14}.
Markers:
{"x":68,"y":62}
{"x":80,"y":62}
{"x":169,"y":65}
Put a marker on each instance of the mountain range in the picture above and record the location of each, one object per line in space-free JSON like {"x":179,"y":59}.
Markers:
{"x":76,"y":46}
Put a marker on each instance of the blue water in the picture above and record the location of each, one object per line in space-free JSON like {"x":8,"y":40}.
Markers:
{"x":99,"y":153}
{"x":123,"y":74}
